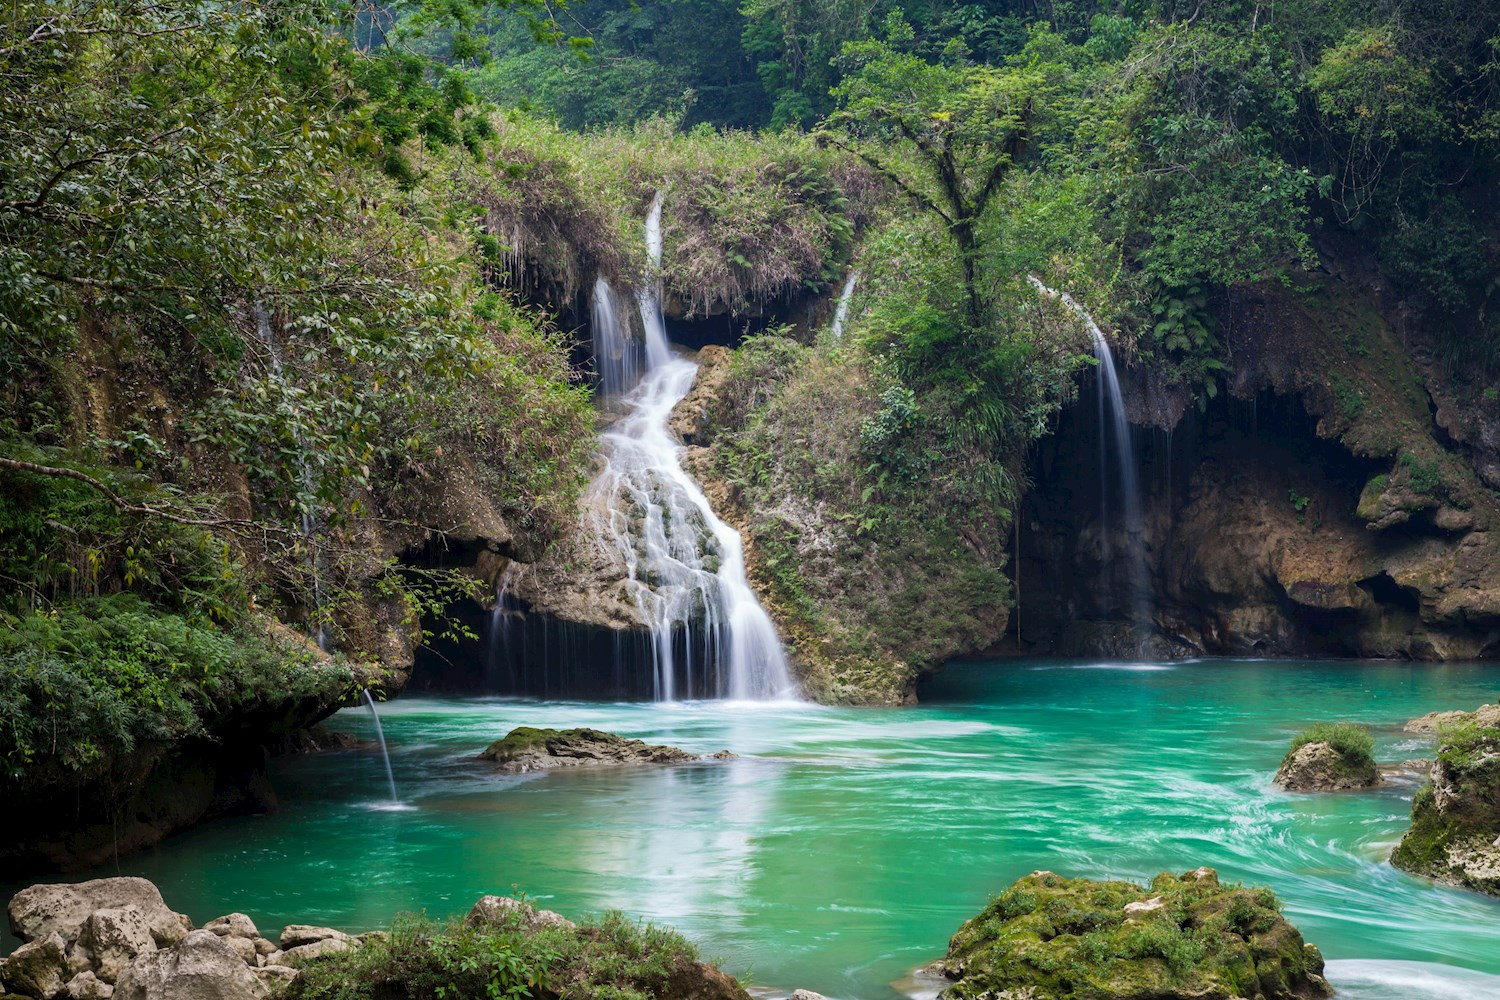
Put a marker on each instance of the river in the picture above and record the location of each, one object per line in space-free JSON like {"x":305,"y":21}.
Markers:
{"x":845,"y":845}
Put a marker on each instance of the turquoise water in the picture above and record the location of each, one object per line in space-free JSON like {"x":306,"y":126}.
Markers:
{"x":846,"y":845}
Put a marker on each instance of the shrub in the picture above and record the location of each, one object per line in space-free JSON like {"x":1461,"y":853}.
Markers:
{"x":422,"y":959}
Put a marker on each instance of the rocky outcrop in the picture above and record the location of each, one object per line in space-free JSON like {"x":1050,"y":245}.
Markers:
{"x":1185,"y":938}
{"x":1321,"y":767}
{"x":1455,"y":828}
{"x":1433,"y":723}
{"x":116,"y":939}
{"x":525,"y":749}
{"x":157,"y":788}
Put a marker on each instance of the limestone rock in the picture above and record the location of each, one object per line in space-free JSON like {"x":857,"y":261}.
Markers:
{"x":1455,"y":831}
{"x":38,"y":968}
{"x":113,"y":937}
{"x":525,"y":749}
{"x":62,"y":909}
{"x":264,"y":947}
{"x":199,"y":967}
{"x":499,"y":909}
{"x":1036,"y":925}
{"x":807,"y":995}
{"x":1486,"y":716}
{"x":317,"y":949}
{"x":233,"y":925}
{"x":275,"y":976}
{"x":296,"y":935}
{"x":243,"y":947}
{"x":87,"y":986}
{"x":1318,"y":767}
{"x":1141,"y":911}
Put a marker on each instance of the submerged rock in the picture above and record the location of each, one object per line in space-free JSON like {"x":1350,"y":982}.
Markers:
{"x":526,"y":749}
{"x":1185,"y":938}
{"x":1455,"y":817}
{"x":1321,"y":767}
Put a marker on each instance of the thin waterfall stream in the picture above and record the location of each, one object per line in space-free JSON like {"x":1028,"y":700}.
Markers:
{"x":385,"y":753}
{"x":841,"y":310}
{"x":1114,"y":427}
{"x":710,"y":637}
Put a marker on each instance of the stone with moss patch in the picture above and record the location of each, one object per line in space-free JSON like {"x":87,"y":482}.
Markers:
{"x":1455,"y":829}
{"x":1053,"y":938}
{"x":1330,"y":757}
{"x":528,"y":749}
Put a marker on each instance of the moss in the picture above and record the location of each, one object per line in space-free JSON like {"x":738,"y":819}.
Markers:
{"x":1067,"y":938}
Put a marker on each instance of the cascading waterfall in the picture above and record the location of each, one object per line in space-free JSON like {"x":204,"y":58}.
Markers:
{"x":685,"y":565}
{"x":841,"y":311}
{"x":1116,"y":426}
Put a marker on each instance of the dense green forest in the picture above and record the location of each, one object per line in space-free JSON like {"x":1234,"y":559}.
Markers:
{"x":271,"y":270}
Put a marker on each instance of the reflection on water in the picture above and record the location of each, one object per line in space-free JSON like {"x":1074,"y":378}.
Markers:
{"x":846,"y":845}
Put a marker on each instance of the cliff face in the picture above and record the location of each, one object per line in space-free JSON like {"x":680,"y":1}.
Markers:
{"x":1324,"y":508}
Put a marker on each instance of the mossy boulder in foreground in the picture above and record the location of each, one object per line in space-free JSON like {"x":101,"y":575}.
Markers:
{"x":1330,"y":757}
{"x":526,"y":749}
{"x":1053,"y":938}
{"x":1455,"y":818}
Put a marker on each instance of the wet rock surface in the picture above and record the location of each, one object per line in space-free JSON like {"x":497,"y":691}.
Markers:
{"x":525,"y":749}
{"x":1320,"y":767}
{"x":1455,"y":832}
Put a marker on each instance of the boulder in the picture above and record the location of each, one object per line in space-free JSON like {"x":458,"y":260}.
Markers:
{"x":503,"y":909}
{"x":316,"y":949}
{"x":807,"y":995}
{"x":199,"y":967}
{"x":233,"y":925}
{"x":243,"y":947}
{"x":111,"y":939}
{"x":1455,"y":830}
{"x":87,"y":986}
{"x":274,"y":977}
{"x":1320,"y":767}
{"x":38,"y":968}
{"x":62,"y":909}
{"x":297,"y":935}
{"x":1485,"y":716}
{"x":1190,"y":939}
{"x":264,"y":947}
{"x":526,"y":749}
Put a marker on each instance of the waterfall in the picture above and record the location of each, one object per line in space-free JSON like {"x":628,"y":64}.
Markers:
{"x":267,"y":336}
{"x":686,"y":567}
{"x":617,"y":354}
{"x":385,"y":754}
{"x":841,"y":311}
{"x":1114,"y":427}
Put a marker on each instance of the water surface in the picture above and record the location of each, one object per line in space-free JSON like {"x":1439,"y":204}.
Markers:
{"x":846,"y":845}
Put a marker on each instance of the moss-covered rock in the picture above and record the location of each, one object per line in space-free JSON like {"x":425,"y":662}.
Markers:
{"x":1330,"y":758}
{"x":1455,"y":828}
{"x":1053,"y":938}
{"x":526,"y":749}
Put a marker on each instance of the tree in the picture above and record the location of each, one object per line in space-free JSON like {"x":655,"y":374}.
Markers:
{"x":945,"y":135}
